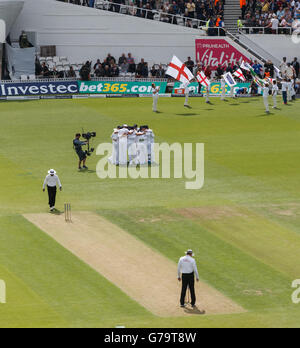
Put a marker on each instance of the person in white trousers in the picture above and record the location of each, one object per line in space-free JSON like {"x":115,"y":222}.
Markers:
{"x":155,"y":96}
{"x":114,"y":159}
{"x":274,"y":94}
{"x":123,"y":133}
{"x":266,"y":91}
{"x":186,"y":94}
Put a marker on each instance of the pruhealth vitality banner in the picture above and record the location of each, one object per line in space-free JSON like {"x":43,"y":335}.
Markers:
{"x":214,"y":52}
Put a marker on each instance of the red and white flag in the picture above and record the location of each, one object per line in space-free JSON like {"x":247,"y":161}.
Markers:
{"x":179,"y":71}
{"x":202,"y":79}
{"x":238,"y":73}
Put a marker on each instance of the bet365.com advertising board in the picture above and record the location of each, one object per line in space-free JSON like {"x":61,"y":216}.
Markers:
{"x":117,"y":87}
{"x":215,"y":87}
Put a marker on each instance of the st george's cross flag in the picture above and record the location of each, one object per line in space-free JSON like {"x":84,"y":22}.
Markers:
{"x":179,"y":71}
{"x":238,"y":73}
{"x":202,"y":79}
{"x":229,"y":79}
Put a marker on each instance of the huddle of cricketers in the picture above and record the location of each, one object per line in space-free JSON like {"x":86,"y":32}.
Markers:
{"x":288,"y":92}
{"x":132,"y":146}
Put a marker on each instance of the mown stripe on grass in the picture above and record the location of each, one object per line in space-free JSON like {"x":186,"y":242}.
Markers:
{"x":80,"y":295}
{"x":264,"y":239}
{"x":243,"y":278}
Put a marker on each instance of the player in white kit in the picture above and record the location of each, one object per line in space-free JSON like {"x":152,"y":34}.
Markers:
{"x":223,"y":88}
{"x":123,"y":133}
{"x":114,"y":159}
{"x":186,"y":94}
{"x":274,"y":94}
{"x":131,"y":145}
{"x":266,"y":91}
{"x":155,"y":96}
{"x":142,"y":153}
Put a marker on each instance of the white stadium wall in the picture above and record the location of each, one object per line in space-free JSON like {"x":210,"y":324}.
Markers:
{"x":277,"y":45}
{"x":82,"y":33}
{"x":9,"y":11}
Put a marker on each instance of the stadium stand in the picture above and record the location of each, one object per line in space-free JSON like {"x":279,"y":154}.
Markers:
{"x":190,"y":13}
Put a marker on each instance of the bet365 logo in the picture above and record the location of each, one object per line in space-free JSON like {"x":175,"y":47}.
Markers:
{"x":2,"y":31}
{"x":2,"y":291}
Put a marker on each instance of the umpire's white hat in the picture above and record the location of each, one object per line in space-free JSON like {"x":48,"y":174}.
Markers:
{"x":51,"y":172}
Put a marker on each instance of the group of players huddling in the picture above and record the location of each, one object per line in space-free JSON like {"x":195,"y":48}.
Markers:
{"x":132,"y":146}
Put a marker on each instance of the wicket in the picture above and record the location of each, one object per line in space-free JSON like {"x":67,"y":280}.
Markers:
{"x":68,"y":212}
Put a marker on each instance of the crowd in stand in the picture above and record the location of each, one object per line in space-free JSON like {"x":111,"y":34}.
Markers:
{"x":202,"y":10}
{"x":274,"y":15}
{"x":109,"y":67}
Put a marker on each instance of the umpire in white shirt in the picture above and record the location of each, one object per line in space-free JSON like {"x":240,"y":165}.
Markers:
{"x":52,"y":180}
{"x":187,"y":269}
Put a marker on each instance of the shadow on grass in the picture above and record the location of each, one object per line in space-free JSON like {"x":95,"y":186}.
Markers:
{"x":195,"y":311}
{"x":56,"y":212}
{"x":88,"y":171}
{"x":187,"y":114}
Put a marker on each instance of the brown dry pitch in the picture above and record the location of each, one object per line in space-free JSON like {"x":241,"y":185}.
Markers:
{"x":142,"y":273}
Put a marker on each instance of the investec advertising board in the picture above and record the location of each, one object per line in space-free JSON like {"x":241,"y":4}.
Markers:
{"x":74,"y":87}
{"x":38,"y":88}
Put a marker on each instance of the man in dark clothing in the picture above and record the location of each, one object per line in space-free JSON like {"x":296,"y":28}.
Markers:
{"x":296,"y":66}
{"x":77,"y":144}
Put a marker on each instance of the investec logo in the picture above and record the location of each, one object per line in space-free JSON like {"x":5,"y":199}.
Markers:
{"x":2,"y":31}
{"x":184,"y":161}
{"x":2,"y":291}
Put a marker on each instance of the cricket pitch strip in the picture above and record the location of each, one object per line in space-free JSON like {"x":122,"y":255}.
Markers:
{"x":142,"y":273}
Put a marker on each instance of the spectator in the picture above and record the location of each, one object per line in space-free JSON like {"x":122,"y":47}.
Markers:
{"x":122,"y":59}
{"x":269,"y":69}
{"x":107,"y":71}
{"x":257,"y":68}
{"x":71,"y":72}
{"x":190,"y":64}
{"x":142,"y":69}
{"x":115,"y":70}
{"x":85,"y":71}
{"x":23,"y":41}
{"x":131,"y":63}
{"x":45,"y":70}
{"x":296,"y":66}
{"x":283,"y":66}
{"x":220,"y":71}
{"x":190,"y":6}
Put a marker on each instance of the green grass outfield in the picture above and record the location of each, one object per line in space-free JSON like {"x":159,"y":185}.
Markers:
{"x":251,"y":253}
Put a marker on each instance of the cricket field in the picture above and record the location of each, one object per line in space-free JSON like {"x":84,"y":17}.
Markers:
{"x":104,"y":268}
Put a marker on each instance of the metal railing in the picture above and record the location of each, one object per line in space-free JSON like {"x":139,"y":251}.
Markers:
{"x":151,"y":14}
{"x":266,"y":31}
{"x":112,"y":79}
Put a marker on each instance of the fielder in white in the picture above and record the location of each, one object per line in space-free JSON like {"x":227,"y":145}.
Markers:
{"x":186,"y":94}
{"x":142,"y":153}
{"x":150,"y":145}
{"x":207,"y":88}
{"x":123,"y":133}
{"x":131,"y":144}
{"x":155,"y":96}
{"x":223,"y":88}
{"x":266,"y":91}
{"x":274,"y":94}
{"x":114,"y":159}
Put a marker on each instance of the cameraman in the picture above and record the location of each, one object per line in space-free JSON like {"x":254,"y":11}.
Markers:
{"x":80,"y":153}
